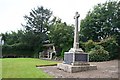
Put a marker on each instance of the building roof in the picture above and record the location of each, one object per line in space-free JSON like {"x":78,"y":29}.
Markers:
{"x":47,"y":45}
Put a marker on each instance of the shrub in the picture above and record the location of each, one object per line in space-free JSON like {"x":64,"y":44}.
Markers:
{"x":89,"y":45}
{"x":98,"y":54}
{"x":111,"y":46}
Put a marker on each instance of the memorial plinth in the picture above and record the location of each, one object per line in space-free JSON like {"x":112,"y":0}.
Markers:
{"x":76,"y":60}
{"x":71,"y":57}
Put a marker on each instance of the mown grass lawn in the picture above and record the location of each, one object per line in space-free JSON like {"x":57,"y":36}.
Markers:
{"x":24,"y":68}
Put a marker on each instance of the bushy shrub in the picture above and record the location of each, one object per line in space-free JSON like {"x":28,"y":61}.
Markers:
{"x":98,"y":54}
{"x":111,"y":46}
{"x":89,"y":45}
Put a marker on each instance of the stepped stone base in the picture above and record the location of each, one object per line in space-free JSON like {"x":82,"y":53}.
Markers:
{"x":76,"y":68}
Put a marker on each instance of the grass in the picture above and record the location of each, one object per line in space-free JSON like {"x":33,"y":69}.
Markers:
{"x":0,"y":69}
{"x":24,"y":68}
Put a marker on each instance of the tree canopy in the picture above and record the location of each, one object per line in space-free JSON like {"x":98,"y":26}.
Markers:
{"x":40,"y":26}
{"x":38,"y":20}
{"x":61,"y":35}
{"x":102,"y":25}
{"x":37,"y":26}
{"x":102,"y":22}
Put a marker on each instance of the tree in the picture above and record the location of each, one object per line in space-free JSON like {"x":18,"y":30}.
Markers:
{"x":37,"y":27}
{"x":12,"y":37}
{"x":102,"y":22}
{"x":61,"y":35}
{"x":38,"y":20}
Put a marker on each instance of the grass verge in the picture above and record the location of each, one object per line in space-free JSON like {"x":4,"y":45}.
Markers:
{"x":24,"y":68}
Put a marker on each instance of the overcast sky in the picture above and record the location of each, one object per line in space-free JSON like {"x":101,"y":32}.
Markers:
{"x":12,"y":11}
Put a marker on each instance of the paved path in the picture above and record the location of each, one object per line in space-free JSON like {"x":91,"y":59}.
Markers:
{"x":108,"y":69}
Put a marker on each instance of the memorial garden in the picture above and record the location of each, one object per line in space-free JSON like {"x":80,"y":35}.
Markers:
{"x":47,"y":47}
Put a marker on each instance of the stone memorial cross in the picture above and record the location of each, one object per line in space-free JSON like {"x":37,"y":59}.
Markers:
{"x":76,"y":34}
{"x":76,"y":60}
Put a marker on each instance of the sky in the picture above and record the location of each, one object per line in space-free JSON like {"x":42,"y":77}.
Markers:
{"x":12,"y":11}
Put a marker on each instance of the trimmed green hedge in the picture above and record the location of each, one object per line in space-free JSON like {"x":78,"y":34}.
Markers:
{"x":17,"y":49}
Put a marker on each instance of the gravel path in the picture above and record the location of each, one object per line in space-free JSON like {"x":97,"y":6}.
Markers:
{"x":108,"y":69}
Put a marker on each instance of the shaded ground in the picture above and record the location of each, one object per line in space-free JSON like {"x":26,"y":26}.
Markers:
{"x":108,"y":69}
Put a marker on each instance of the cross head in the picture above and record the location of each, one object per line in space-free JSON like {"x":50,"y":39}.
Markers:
{"x":76,"y":15}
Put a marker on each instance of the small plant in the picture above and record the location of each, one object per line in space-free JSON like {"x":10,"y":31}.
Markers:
{"x":62,"y":54}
